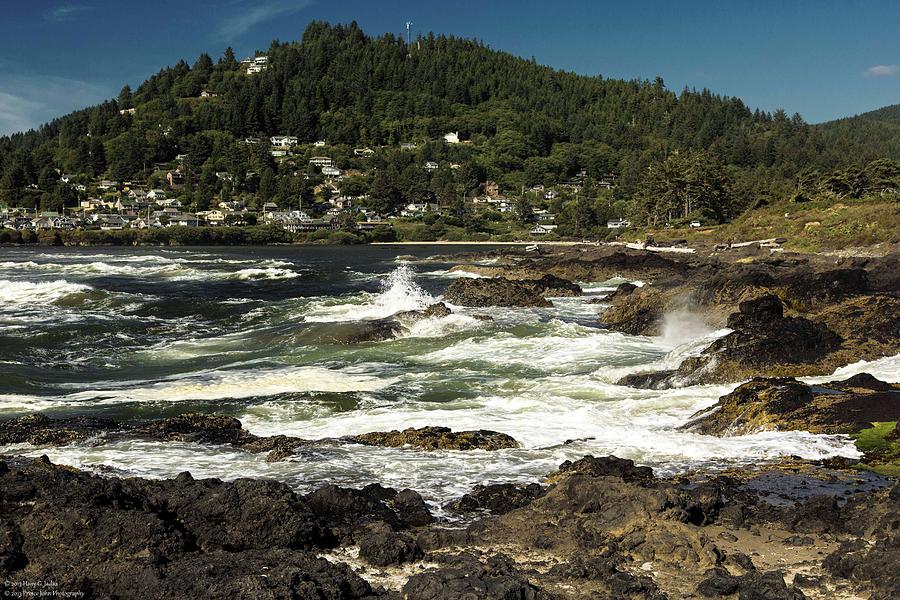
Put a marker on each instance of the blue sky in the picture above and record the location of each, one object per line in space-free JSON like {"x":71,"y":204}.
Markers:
{"x":822,"y":58}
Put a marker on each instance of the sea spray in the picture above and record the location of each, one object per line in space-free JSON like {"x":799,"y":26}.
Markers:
{"x":399,"y":293}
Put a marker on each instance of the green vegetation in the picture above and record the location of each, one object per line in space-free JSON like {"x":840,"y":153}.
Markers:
{"x":880,"y":446}
{"x":672,"y":158}
{"x":866,"y":137}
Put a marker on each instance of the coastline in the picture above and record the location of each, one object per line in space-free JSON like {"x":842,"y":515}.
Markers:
{"x":781,"y":529}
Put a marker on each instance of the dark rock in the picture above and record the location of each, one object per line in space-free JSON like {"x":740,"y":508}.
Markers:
{"x":411,"y":509}
{"x":624,"y":289}
{"x":346,"y":511}
{"x":607,"y":466}
{"x":509,"y":292}
{"x":464,"y":577}
{"x":40,"y":430}
{"x":358,"y":332}
{"x":751,"y":586}
{"x":788,"y":404}
{"x":181,"y":538}
{"x":648,"y":381}
{"x":385,"y":548}
{"x":190,"y":427}
{"x":497,"y":498}
{"x":438,"y":438}
{"x":864,"y":381}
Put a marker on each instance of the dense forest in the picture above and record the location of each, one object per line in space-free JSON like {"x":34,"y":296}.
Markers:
{"x":525,"y":124}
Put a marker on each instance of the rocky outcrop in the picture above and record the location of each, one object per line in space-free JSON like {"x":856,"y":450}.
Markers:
{"x":636,"y":311}
{"x":40,"y":430}
{"x":498,"y":498}
{"x":438,"y":438}
{"x":501,"y":291}
{"x":763,"y":341}
{"x":493,"y":577}
{"x":606,"y":528}
{"x":761,"y":404}
{"x":380,"y":330}
{"x":177,"y":538}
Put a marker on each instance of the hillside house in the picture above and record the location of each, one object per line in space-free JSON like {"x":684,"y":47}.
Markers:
{"x":321,"y":161}
{"x":363,"y":152}
{"x":618,"y":224}
{"x":283,"y":141}
{"x":256,"y":64}
{"x":331,"y":171}
{"x":491,"y":188}
{"x":176,"y":179}
{"x":451,"y":138}
{"x":431,"y":166}
{"x":543,"y":229}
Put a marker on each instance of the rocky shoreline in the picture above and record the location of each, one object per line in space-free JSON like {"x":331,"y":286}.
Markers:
{"x":597,"y":527}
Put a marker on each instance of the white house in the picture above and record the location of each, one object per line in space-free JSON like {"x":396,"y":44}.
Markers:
{"x":431,"y":166}
{"x":257,"y":64}
{"x":451,"y":138}
{"x":550,"y":194}
{"x":330,"y":171}
{"x":321,"y":161}
{"x":156,"y":194}
{"x":364,"y":152}
{"x":696,"y":223}
{"x":319,"y":144}
{"x":283,"y":141}
{"x":278,"y":152}
{"x":618,"y":224}
{"x":543,"y":229}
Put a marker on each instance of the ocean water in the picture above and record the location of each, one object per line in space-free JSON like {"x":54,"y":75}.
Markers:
{"x":135,"y":333}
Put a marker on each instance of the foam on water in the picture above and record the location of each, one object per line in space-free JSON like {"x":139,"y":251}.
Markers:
{"x":44,"y":292}
{"x":399,"y":292}
{"x":152,"y":266}
{"x":545,"y":376}
{"x":206,"y":385}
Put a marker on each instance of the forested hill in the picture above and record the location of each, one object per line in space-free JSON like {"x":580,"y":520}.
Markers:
{"x":871,"y":135}
{"x":527,"y":124}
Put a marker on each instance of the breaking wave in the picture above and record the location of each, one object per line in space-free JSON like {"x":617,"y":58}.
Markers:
{"x":42,"y":292}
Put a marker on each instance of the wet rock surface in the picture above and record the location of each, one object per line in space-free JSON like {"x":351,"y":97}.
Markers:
{"x":606,"y":528}
{"x":497,"y":499}
{"x":41,"y":430}
{"x":380,"y":330}
{"x":846,"y":406}
{"x":438,"y":438}
{"x":501,"y":291}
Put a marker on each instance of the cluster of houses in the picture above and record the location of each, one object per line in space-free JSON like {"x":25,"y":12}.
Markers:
{"x":254,"y":65}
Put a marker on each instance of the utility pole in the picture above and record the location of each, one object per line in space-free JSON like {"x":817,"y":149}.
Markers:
{"x":409,"y":39}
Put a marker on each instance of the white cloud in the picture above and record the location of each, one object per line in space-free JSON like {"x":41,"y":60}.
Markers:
{"x":67,"y":11}
{"x":36,"y":99}
{"x":246,"y":17}
{"x":883,"y":71}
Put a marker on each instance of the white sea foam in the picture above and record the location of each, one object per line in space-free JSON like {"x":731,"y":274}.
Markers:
{"x":208,"y":385}
{"x":399,"y":292}
{"x":885,"y":369}
{"x":152,"y":266}
{"x":554,"y":347}
{"x":18,"y":293}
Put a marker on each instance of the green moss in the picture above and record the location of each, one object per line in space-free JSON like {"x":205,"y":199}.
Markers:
{"x":880,"y":454}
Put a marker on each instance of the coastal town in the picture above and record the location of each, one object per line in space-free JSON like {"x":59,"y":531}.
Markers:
{"x":110,"y":205}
